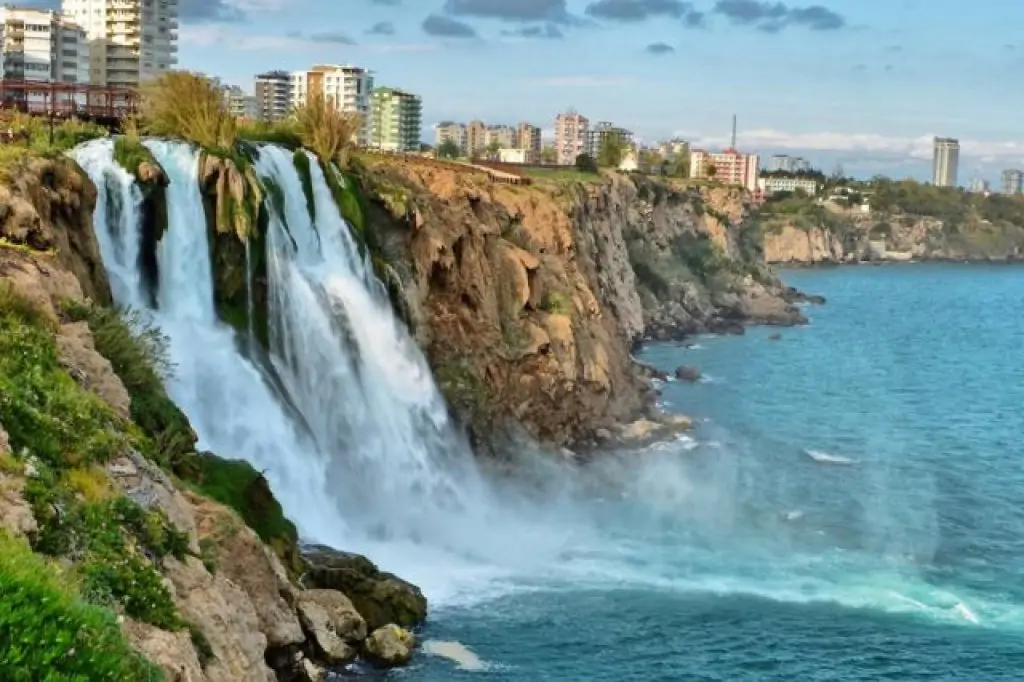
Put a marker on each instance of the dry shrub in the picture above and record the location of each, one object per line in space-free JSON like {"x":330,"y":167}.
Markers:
{"x":326,"y":131}
{"x":189,"y":106}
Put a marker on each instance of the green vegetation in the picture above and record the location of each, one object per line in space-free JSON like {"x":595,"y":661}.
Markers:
{"x":326,"y":131}
{"x":301,"y":161}
{"x":611,"y":151}
{"x":555,"y":303}
{"x":33,"y":138}
{"x":48,"y":633}
{"x":805,"y":213}
{"x":284,"y":133}
{"x":130,"y":153}
{"x":586,"y":164}
{"x":188,"y":106}
{"x":448,"y":150}
{"x":565,"y":174}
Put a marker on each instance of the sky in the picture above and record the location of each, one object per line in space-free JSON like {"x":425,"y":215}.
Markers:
{"x":861,"y":83}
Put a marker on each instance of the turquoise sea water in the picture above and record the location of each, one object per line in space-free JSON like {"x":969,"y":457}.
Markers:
{"x":852,"y":507}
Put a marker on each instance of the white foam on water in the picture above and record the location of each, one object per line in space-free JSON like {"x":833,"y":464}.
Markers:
{"x":825,"y":458}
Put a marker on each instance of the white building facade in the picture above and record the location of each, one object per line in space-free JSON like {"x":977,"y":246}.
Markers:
{"x":130,"y":41}
{"x":347,"y":87}
{"x":770,"y":185}
{"x":43,"y":46}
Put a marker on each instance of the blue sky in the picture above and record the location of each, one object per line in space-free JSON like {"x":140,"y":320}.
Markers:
{"x":861,"y":82}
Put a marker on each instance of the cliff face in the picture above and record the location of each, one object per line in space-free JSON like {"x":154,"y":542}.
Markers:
{"x":883,"y":236}
{"x":118,"y":541}
{"x":528,"y":299}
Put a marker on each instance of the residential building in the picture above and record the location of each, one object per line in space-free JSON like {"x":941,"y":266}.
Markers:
{"x":346,"y":87}
{"x":130,"y":41}
{"x":572,"y":137}
{"x":273,"y":95}
{"x":396,"y":118}
{"x":528,"y":137}
{"x":670,"y":150}
{"x":1013,"y":181}
{"x":500,"y":136}
{"x":773,"y":185}
{"x":979,"y":186}
{"x":476,"y":138}
{"x":602,"y":131}
{"x":945,"y":159}
{"x":450,"y":131}
{"x":788,"y":164}
{"x":240,"y":103}
{"x":518,"y":155}
{"x":729,"y":167}
{"x":42,"y":45}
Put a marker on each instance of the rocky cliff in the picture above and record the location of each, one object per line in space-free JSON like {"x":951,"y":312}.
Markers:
{"x":125,"y":554}
{"x":529,"y":298}
{"x":838,"y":235}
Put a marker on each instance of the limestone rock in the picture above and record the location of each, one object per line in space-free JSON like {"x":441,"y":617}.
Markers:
{"x":92,"y":370}
{"x":688,"y":373}
{"x":149,"y":173}
{"x":150,"y":487}
{"x":311,"y":672}
{"x":242,"y":557}
{"x":172,"y":651}
{"x":380,"y":597}
{"x":224,"y":613}
{"x":332,"y":622}
{"x":16,"y":515}
{"x":389,"y":646}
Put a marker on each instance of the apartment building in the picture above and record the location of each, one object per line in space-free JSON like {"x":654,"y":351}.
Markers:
{"x":572,"y":137}
{"x":1013,"y":181}
{"x":396,"y":119}
{"x":670,"y":150}
{"x":945,"y":159}
{"x":42,"y":45}
{"x":788,"y":164}
{"x":240,"y":103}
{"x":729,"y":167}
{"x":528,"y":137}
{"x":476,"y":138}
{"x":450,"y":131}
{"x":500,"y":137}
{"x":602,"y":131}
{"x":775,"y":185}
{"x":130,"y":41}
{"x":347,"y":87}
{"x":273,"y":94}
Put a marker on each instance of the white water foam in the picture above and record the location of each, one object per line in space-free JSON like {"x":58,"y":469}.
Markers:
{"x":368,"y":462}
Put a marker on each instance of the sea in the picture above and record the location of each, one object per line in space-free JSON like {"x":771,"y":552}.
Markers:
{"x":849,"y":506}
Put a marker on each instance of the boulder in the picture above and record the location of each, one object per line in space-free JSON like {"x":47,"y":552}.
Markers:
{"x":389,"y":646}
{"x":775,"y":337}
{"x":688,"y":373}
{"x":332,"y":622}
{"x":172,"y":651}
{"x":380,"y":597}
{"x":93,"y":371}
{"x":16,"y":515}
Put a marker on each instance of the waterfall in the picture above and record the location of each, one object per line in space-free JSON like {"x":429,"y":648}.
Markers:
{"x":366,"y":458}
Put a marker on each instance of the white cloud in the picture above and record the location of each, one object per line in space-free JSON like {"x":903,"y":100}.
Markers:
{"x":208,"y":35}
{"x":580,"y":81}
{"x":866,"y":144}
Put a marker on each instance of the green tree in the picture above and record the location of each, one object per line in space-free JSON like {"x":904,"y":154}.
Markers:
{"x":585,"y":163}
{"x":651,"y":161}
{"x":711,"y":170}
{"x":549,"y":154}
{"x":609,"y":154}
{"x":448,"y":150}
{"x":493,"y":147}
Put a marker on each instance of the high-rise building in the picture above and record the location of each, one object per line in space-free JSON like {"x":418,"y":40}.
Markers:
{"x":729,"y":167}
{"x":240,"y":103}
{"x":572,"y":137}
{"x":273,"y":91}
{"x":1013,"y":181}
{"x":450,"y":131}
{"x":396,"y":117}
{"x":130,"y":41}
{"x":346,"y":87}
{"x":528,"y":138}
{"x":42,"y":45}
{"x":946,"y":158}
{"x":601,"y":132}
{"x":788,"y":164}
{"x":476,"y":138}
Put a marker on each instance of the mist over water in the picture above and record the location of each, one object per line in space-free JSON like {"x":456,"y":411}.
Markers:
{"x":774,"y":503}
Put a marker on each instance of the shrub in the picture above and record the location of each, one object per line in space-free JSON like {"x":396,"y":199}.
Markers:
{"x":326,"y":131}
{"x":284,"y":133}
{"x":189,"y":106}
{"x":555,"y":303}
{"x":48,"y":634}
{"x":130,"y":153}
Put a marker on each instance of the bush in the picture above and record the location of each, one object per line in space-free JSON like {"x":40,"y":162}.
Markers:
{"x":284,"y":133}
{"x":48,"y":634}
{"x":555,"y":303}
{"x":189,"y":106}
{"x":130,"y":153}
{"x":326,"y":131}
{"x":586,"y":164}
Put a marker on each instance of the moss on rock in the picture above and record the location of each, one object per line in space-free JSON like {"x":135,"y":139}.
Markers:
{"x":301,"y":160}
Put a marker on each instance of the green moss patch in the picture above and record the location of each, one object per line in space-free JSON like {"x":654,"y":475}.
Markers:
{"x":301,"y":161}
{"x":49,"y":633}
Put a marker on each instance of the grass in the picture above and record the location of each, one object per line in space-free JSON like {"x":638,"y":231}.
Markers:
{"x":283,"y":133}
{"x":188,"y":106}
{"x":130,"y":153}
{"x":567,"y":174}
{"x":326,"y":131}
{"x":34,"y":140}
{"x":48,"y":633}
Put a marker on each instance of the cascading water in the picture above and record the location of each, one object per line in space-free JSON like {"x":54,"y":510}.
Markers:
{"x":371,"y":463}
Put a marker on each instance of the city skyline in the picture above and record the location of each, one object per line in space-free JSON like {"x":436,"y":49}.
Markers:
{"x":845,"y":83}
